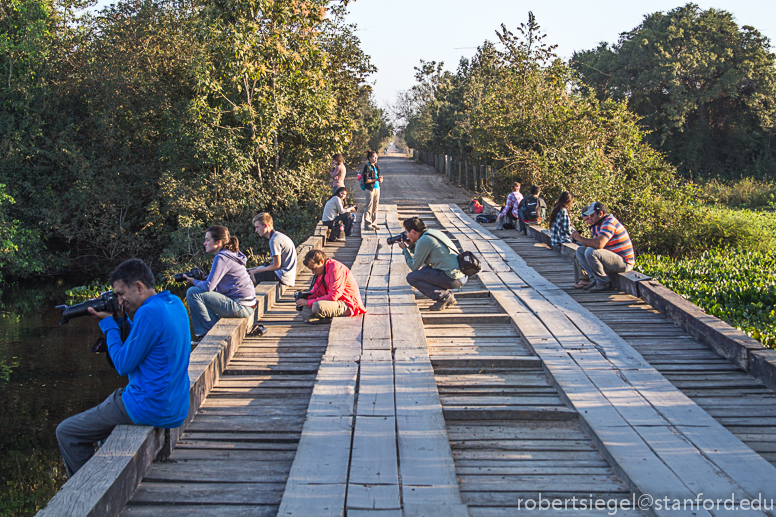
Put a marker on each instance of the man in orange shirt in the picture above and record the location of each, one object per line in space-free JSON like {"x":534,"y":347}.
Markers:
{"x":610,"y":250}
{"x":334,"y":292}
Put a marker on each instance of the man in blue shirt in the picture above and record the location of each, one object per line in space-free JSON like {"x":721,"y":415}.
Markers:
{"x":155,"y":356}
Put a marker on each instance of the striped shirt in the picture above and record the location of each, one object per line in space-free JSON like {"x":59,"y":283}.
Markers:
{"x":513,"y":200}
{"x":619,"y":240}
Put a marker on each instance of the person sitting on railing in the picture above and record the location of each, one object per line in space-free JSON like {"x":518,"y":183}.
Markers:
{"x":609,"y":251}
{"x":334,"y":214}
{"x":282,"y":254}
{"x":227,"y":292}
{"x":334,"y":291}
{"x":509,"y":215}
{"x":155,"y":356}
{"x":560,"y":221}
{"x":532,"y":209}
{"x":433,"y":259}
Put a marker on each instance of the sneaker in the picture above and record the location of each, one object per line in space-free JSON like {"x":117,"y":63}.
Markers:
{"x":597,"y":288}
{"x":443,"y":303}
{"x":315,"y":320}
{"x":332,"y":239}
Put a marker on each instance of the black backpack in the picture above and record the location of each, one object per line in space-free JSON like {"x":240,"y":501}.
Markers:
{"x":467,"y":262}
{"x":531,"y":209}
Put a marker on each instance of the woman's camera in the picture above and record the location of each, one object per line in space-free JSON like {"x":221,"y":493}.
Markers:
{"x":196,"y":274}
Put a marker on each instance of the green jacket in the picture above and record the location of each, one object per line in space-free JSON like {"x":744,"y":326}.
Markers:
{"x":430,"y":252}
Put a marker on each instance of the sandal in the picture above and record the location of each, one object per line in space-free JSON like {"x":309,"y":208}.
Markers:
{"x":581,"y":284}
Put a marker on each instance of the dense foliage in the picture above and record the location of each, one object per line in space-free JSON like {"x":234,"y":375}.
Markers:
{"x":514,"y":106}
{"x":705,"y":87}
{"x":128,"y":132}
{"x":737,"y":286}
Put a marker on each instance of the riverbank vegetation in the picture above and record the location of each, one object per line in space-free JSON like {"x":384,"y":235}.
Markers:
{"x":127,"y":132}
{"x":517,"y":107}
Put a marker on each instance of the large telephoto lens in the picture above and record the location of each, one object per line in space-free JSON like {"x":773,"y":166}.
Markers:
{"x":106,"y":302}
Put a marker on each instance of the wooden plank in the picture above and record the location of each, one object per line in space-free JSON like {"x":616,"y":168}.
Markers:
{"x":373,"y":460}
{"x":376,"y":389}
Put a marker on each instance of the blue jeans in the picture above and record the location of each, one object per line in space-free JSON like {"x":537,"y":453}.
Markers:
{"x":346,"y":220}
{"x":209,"y":307}
{"x":433,"y":283}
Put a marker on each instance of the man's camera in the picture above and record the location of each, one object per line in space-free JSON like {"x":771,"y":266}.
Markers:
{"x":402,"y":237}
{"x":106,"y":302}
{"x":196,"y":274}
{"x":301,"y":295}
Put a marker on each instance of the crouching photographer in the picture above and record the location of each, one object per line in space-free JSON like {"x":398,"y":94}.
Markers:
{"x":155,"y":356}
{"x":228,"y":291}
{"x":334,"y":291}
{"x":434,"y":263}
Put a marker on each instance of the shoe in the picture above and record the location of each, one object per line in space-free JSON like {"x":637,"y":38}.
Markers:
{"x":588,"y":286}
{"x":443,"y":303}
{"x":333,"y":239}
{"x":375,"y":227}
{"x":597,"y":288}
{"x":318,"y":321}
{"x":581,"y":284}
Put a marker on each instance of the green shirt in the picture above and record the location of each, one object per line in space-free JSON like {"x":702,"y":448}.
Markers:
{"x":429,"y":251}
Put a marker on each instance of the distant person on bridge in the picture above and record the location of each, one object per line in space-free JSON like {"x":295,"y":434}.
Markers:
{"x":434,"y":263}
{"x":509,"y":215}
{"x":335,"y":213}
{"x":532,"y":209}
{"x":370,"y":184}
{"x":155,"y":356}
{"x":334,"y":291}
{"x":610,"y":250}
{"x":338,"y":172}
{"x":228,"y":291}
{"x":282,"y":266}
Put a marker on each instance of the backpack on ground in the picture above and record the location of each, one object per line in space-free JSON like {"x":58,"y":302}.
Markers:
{"x":531,"y":209}
{"x":486,"y":218}
{"x":468,"y":264}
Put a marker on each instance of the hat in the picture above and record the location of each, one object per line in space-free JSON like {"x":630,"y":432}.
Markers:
{"x":593,"y":208}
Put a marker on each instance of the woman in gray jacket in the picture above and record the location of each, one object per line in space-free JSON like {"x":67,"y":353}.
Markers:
{"x":227,"y":292}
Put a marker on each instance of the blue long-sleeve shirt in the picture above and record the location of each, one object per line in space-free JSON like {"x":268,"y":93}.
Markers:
{"x":155,"y":356}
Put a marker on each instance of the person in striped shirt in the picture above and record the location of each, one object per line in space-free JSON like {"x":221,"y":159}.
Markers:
{"x":610,"y":250}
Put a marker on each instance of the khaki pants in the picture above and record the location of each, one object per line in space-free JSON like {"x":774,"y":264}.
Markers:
{"x":326,"y":309}
{"x":370,"y":208}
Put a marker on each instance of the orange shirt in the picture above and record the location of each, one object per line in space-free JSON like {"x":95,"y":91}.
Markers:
{"x":337,"y":283}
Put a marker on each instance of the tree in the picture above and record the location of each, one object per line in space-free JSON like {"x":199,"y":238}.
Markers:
{"x":515,"y":106}
{"x":704,"y":87}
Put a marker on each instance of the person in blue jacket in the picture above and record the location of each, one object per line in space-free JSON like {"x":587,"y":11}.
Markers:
{"x":155,"y":356}
{"x":228,"y":290}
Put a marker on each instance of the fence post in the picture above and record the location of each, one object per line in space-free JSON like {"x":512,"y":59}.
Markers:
{"x":459,"y":170}
{"x":466,"y":173}
{"x":474,"y":172}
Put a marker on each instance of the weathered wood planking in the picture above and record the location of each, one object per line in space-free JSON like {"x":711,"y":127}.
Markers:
{"x":562,"y":364}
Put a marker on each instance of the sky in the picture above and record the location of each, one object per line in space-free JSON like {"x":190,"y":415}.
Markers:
{"x":398,"y":34}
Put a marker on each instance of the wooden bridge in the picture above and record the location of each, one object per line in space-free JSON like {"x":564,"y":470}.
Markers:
{"x":526,"y":396}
